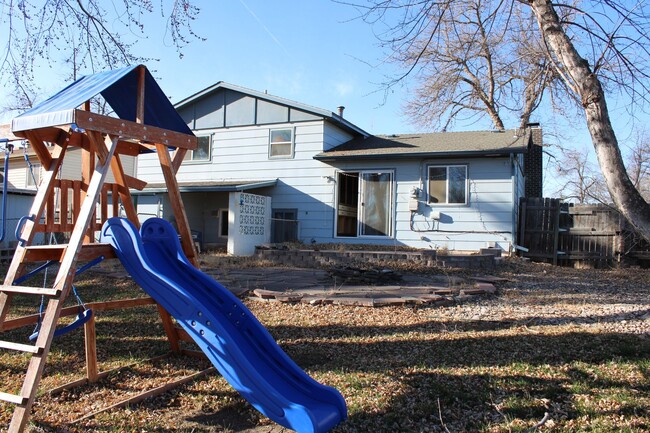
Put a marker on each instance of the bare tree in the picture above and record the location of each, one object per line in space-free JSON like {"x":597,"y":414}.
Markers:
{"x":75,"y":36}
{"x":579,"y":180}
{"x":470,"y":58}
{"x":639,"y":165}
{"x":588,"y":46}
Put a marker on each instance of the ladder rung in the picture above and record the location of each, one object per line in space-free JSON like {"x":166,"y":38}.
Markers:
{"x":20,"y":347}
{"x":30,"y":290}
{"x":13,"y":398}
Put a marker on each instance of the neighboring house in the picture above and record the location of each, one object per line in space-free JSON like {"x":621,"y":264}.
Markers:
{"x":323,"y":179}
{"x":24,"y":175}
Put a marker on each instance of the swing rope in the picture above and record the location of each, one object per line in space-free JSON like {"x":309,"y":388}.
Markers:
{"x":30,"y":166}
{"x":84,"y":315}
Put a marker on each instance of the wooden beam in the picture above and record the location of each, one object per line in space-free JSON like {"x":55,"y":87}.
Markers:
{"x":135,"y":183}
{"x":170,"y":329}
{"x":179,"y":156}
{"x":125,"y":194}
{"x":90,"y":340}
{"x":87,"y":168}
{"x":98,"y":146}
{"x":39,"y":253}
{"x":40,"y":149}
{"x":147,"y":394}
{"x":139,"y":111}
{"x":74,"y":310}
{"x":131,"y":148}
{"x":127,"y":129}
{"x":176,"y":201}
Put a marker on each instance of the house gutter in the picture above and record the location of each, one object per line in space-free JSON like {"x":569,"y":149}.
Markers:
{"x":413,"y":155}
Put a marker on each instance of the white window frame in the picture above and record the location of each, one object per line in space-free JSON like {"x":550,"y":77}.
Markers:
{"x":189,"y":156}
{"x":447,"y":167}
{"x":292,"y":143}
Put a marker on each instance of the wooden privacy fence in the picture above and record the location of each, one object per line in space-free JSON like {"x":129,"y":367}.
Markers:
{"x":567,"y":233}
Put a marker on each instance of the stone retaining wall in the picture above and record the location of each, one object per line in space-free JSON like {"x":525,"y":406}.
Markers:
{"x":311,"y":258}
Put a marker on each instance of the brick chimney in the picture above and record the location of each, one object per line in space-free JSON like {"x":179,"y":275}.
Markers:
{"x":533,"y":162}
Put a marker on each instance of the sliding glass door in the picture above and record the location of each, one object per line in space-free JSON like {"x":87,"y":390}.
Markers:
{"x":364,"y":206}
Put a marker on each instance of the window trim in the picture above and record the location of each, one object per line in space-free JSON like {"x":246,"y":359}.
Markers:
{"x":190,"y":153}
{"x":292,"y":143}
{"x":447,"y":167}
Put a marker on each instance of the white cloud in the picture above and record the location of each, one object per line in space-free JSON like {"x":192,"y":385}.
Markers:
{"x":344,"y":88}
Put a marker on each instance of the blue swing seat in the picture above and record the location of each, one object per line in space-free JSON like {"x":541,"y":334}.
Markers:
{"x":81,"y":319}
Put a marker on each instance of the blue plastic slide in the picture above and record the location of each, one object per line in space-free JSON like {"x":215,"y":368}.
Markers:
{"x":230,"y":335}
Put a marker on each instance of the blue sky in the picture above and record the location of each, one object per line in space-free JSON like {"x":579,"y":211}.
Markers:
{"x":315,"y":52}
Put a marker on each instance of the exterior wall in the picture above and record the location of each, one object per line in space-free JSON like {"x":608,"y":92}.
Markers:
{"x":519,"y":191}
{"x":243,"y":154}
{"x":19,"y":171}
{"x":71,"y":168}
{"x":486,"y":221}
{"x":309,"y":186}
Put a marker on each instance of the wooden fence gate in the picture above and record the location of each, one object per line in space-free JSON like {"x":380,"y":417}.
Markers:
{"x":580,"y":235}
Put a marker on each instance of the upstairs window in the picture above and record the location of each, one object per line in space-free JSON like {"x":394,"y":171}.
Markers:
{"x":448,"y":184}
{"x":281,"y":143}
{"x":203,"y":150}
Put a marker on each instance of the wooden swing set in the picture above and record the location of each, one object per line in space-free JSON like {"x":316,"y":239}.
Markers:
{"x":102,"y":140}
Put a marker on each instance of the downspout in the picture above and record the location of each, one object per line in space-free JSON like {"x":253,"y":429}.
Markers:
{"x":513,"y":183}
{"x":5,"y":184}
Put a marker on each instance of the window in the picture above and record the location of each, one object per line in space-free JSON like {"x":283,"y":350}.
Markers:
{"x":33,"y":175}
{"x":281,"y":143}
{"x":284,"y":225}
{"x":448,"y":184}
{"x":202,"y":152}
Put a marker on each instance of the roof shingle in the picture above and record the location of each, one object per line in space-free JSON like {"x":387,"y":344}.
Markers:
{"x":473,"y":143}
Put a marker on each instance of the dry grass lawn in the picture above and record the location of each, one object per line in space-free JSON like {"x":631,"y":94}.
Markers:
{"x":567,"y":347}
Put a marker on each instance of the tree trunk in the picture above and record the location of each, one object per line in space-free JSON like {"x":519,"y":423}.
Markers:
{"x":579,"y":77}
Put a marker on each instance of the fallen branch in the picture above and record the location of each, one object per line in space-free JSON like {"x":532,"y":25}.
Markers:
{"x":442,"y":423}
{"x":539,"y":424}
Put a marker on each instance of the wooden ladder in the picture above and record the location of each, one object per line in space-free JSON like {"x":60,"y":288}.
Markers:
{"x":67,"y":255}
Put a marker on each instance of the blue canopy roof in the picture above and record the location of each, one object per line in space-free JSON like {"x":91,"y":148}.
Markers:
{"x":119,"y":88}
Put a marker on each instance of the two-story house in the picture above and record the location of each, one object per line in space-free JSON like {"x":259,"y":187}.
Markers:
{"x":268,"y":169}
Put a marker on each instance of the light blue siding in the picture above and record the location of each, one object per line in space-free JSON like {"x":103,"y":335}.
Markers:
{"x":309,"y":186}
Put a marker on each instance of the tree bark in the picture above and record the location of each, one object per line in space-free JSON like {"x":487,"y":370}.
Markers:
{"x":585,"y":83}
